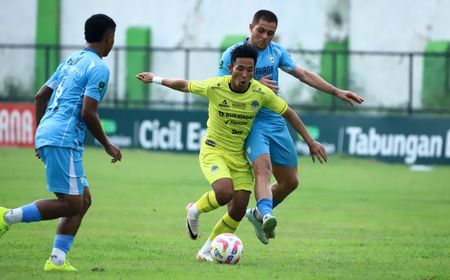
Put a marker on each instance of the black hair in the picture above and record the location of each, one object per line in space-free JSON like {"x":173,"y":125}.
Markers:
{"x":97,"y":26}
{"x":244,"y":50}
{"x":265,"y":15}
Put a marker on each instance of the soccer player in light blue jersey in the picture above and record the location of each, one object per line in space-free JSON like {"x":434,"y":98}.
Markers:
{"x":269,"y":146}
{"x":65,"y":105}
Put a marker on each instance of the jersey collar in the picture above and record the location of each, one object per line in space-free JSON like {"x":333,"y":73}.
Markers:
{"x":90,"y":50}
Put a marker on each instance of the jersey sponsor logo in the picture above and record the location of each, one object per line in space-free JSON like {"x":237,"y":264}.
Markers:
{"x":210,"y":143}
{"x":233,"y":122}
{"x":101,"y":86}
{"x":238,"y":105}
{"x":215,"y":86}
{"x":73,"y":61}
{"x":237,"y":132}
{"x":234,"y":115}
{"x":214,"y":169}
{"x":255,"y":105}
{"x":258,"y":90}
{"x":224,"y":104}
{"x":263,"y":71}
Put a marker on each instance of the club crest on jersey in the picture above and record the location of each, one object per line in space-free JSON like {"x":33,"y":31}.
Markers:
{"x":271,"y":58}
{"x":255,"y":105}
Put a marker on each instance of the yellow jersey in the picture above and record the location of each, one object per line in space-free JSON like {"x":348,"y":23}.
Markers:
{"x":231,"y":114}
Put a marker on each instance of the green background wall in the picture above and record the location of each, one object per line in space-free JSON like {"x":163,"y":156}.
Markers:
{"x":47,"y":33}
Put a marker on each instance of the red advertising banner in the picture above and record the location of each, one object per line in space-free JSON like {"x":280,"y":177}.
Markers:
{"x":17,"y":124}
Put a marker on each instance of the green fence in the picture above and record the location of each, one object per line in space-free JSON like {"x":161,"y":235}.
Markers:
{"x":410,"y":140}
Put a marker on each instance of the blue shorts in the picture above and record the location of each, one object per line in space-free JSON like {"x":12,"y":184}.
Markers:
{"x":64,"y":170}
{"x":273,"y":140}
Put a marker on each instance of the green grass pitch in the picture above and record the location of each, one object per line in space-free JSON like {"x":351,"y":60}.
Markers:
{"x":349,"y":219}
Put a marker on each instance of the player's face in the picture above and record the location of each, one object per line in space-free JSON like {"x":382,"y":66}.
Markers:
{"x":242,"y":73}
{"x":109,"y":42}
{"x":262,"y":33}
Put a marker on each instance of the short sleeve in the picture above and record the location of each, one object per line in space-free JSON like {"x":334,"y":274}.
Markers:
{"x":287,"y":64}
{"x":199,"y":88}
{"x":97,"y":82}
{"x":274,"y":102}
{"x":52,"y":82}
{"x":225,"y":61}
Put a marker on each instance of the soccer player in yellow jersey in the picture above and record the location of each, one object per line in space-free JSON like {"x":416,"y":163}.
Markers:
{"x":233,"y":103}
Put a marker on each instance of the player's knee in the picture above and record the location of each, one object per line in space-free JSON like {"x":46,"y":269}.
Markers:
{"x":224,"y":196}
{"x":72,"y":206}
{"x":263,"y":173}
{"x":87,"y":202}
{"x":237,"y":213}
{"x":73,"y":209}
{"x":291,"y":184}
{"x":262,"y":167}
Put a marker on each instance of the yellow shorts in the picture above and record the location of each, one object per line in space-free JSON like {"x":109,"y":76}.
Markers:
{"x":217,"y":165}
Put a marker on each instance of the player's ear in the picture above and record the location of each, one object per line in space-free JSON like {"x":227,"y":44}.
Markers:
{"x":230,"y":68}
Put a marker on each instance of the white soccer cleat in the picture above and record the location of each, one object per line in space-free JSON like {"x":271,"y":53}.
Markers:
{"x":268,"y":226}
{"x":191,"y":224}
{"x":250,"y":214}
{"x":204,"y":257}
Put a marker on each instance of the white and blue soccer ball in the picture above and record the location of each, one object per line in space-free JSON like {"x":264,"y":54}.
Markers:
{"x":227,"y":248}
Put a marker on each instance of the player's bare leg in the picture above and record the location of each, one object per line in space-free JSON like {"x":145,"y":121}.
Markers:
{"x":65,"y":233}
{"x":63,"y":206}
{"x":262,"y":170}
{"x":70,"y":225}
{"x":286,"y":182}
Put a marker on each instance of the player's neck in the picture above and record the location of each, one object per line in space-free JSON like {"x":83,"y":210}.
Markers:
{"x":96,"y":48}
{"x":238,"y":89}
{"x":249,"y":41}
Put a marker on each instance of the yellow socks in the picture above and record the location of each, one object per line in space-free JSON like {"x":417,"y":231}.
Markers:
{"x":207,"y":202}
{"x":225,"y":224}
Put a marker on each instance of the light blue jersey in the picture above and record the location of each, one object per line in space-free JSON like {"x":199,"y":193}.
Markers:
{"x":82,"y":73}
{"x":269,"y":60}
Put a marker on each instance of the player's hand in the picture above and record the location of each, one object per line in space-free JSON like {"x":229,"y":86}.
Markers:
{"x":37,"y":154}
{"x":268,"y":82}
{"x":349,"y":96}
{"x":316,"y":150}
{"x":114,"y":152}
{"x":146,"y":77}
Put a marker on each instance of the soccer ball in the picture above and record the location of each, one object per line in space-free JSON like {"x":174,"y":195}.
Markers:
{"x":227,"y":248}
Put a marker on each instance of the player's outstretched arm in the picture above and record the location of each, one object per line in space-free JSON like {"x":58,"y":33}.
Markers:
{"x":316,"y":150}
{"x":92,"y":120}
{"x":176,"y":84}
{"x":319,"y":83}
